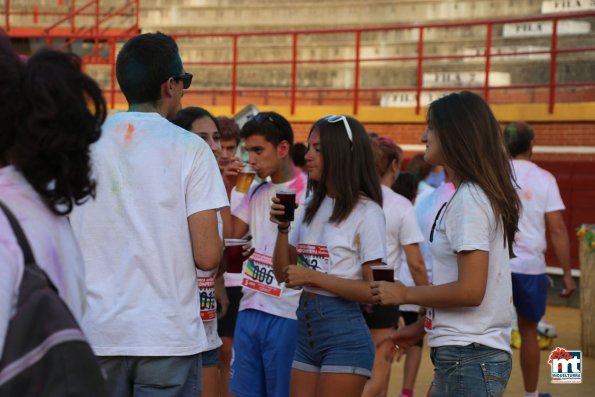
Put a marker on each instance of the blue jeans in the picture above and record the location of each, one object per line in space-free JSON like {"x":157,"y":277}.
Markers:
{"x":129,"y":376}
{"x":474,"y":370}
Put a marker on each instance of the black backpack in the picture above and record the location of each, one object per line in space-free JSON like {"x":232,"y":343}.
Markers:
{"x":45,"y":351}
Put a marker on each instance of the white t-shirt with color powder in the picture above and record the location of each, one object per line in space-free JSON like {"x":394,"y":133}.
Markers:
{"x":426,"y":209}
{"x":260,"y":288}
{"x":340,"y":249}
{"x":54,"y":247}
{"x":539,"y":195}
{"x":467,"y":224}
{"x":140,"y":272}
{"x":401,"y":226}
{"x":235,"y":279}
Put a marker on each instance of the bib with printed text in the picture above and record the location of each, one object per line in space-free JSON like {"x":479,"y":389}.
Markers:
{"x":208,"y":304}
{"x":428,"y":320}
{"x":315,"y":257}
{"x":258,"y":275}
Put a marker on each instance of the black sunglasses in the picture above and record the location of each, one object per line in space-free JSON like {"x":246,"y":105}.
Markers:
{"x":436,"y":221}
{"x":262,"y":117}
{"x":186,"y":79}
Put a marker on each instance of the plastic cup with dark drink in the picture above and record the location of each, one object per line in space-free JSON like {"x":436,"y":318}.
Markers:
{"x":233,"y":254}
{"x":286,"y":197}
{"x":245,"y":178}
{"x":383,"y":273}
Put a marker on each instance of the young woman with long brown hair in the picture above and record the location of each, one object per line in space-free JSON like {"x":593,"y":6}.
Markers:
{"x":340,"y":235}
{"x":470,"y":304}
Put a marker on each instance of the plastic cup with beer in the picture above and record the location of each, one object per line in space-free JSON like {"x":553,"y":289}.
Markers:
{"x":233,"y":254}
{"x":286,"y":197}
{"x":383,"y":273}
{"x":245,"y":178}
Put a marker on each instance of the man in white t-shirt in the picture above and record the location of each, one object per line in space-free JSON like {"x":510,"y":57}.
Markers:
{"x":542,"y":208}
{"x":266,"y":328}
{"x":152,"y":223}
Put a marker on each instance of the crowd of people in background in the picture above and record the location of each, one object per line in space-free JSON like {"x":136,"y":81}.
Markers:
{"x":132,"y":218}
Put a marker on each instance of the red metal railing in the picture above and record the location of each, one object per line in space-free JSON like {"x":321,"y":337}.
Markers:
{"x":70,"y":15}
{"x":357,"y":94}
{"x":486,"y":88}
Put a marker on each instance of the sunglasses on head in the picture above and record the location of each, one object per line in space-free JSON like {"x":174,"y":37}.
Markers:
{"x":186,"y":79}
{"x":331,"y":118}
{"x":262,"y":117}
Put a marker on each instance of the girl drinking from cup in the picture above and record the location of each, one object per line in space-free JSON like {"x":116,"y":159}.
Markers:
{"x":470,"y":308}
{"x":335,"y":241}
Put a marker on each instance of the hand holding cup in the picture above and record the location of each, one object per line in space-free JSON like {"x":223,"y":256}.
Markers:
{"x":246,"y":176}
{"x":233,"y":256}
{"x":278,"y":210}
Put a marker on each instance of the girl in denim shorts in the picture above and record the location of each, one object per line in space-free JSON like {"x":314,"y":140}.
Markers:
{"x":470,"y":309}
{"x":339,"y":236}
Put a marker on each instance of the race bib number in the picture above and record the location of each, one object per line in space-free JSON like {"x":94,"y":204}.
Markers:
{"x":315,"y":257}
{"x":208,"y":304}
{"x":428,"y":319}
{"x":259,"y":276}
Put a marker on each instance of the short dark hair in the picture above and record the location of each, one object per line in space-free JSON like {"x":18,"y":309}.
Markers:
{"x":274,"y":127}
{"x":406,"y":185}
{"x":298,"y":154}
{"x":229,"y":129}
{"x":419,"y":167}
{"x":144,"y":63}
{"x":185,"y":117}
{"x":518,"y":138}
{"x":56,"y":114}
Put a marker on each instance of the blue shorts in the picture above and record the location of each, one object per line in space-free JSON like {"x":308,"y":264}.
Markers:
{"x":210,"y":358}
{"x":332,"y":337}
{"x":473,"y":370}
{"x":263,"y":348}
{"x":529,"y":294}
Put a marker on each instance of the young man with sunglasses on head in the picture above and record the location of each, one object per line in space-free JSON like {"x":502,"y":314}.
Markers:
{"x":265,"y":334}
{"x":152,"y":223}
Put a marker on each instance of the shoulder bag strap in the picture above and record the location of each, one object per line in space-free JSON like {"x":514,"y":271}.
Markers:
{"x":20,"y":235}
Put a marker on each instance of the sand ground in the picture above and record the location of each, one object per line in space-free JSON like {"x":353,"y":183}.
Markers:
{"x":567,"y":322}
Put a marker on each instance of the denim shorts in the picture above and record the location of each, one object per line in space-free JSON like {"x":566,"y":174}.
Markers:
{"x":474,"y":370}
{"x":332,"y":337}
{"x":210,"y":358}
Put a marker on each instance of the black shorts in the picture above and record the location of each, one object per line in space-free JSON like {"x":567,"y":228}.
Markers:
{"x":378,"y":316}
{"x":410,"y":318}
{"x":227,"y":324}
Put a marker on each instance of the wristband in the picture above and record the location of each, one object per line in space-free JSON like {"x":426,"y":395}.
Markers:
{"x":284,"y":230}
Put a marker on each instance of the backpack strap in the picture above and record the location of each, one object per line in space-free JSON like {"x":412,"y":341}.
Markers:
{"x":256,"y":188}
{"x":20,"y":235}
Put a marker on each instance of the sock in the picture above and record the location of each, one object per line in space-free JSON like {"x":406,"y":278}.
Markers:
{"x":532,"y":394}
{"x":407,"y":393}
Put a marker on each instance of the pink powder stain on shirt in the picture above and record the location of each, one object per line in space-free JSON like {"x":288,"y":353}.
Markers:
{"x":528,"y":195}
{"x":299,"y":184}
{"x":129,"y":134}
